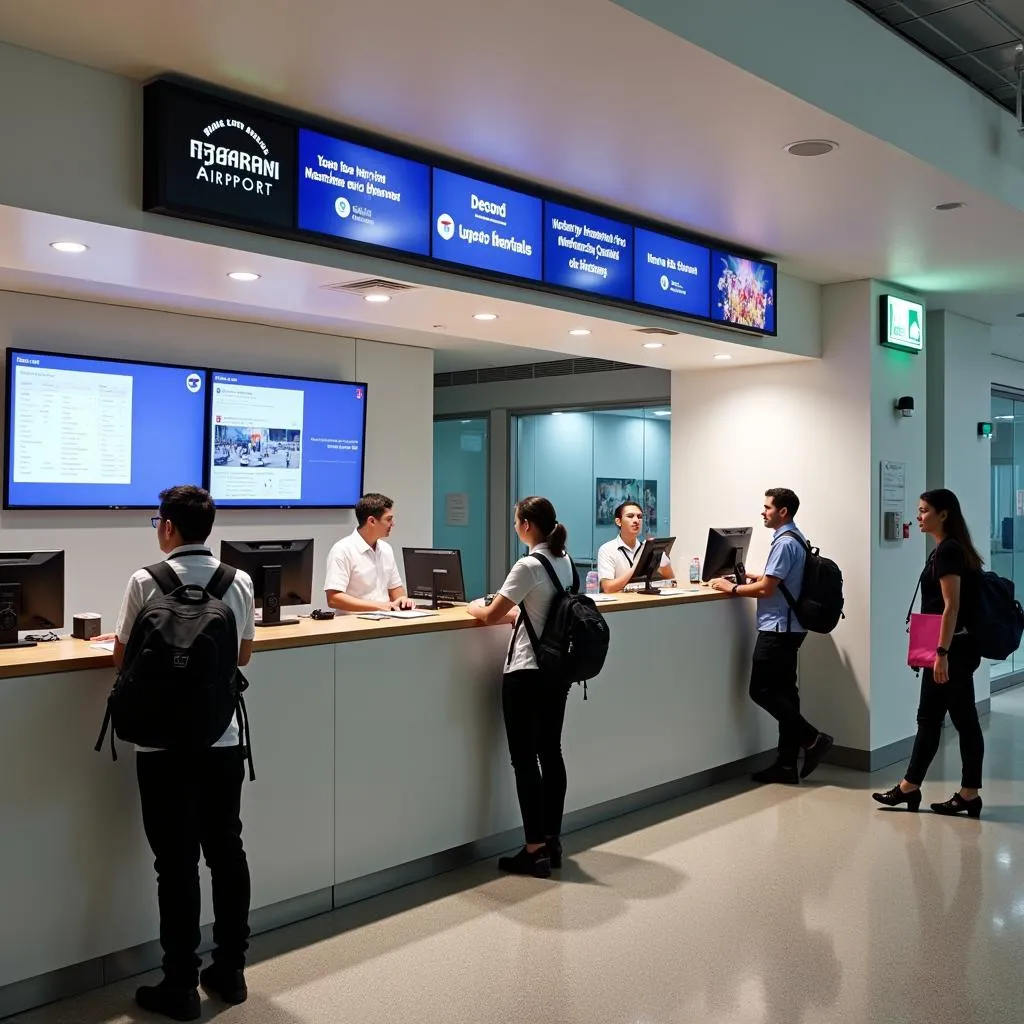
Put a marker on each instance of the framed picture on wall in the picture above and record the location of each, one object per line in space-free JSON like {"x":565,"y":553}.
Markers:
{"x":613,"y":491}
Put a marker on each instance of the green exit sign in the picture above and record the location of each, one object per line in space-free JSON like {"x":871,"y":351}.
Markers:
{"x":902,"y":324}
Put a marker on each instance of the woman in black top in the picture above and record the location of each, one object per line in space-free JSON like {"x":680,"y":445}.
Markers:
{"x":949,"y":587}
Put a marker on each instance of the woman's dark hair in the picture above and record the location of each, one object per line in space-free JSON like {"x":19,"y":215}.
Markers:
{"x":541,"y":513}
{"x":955,"y":526}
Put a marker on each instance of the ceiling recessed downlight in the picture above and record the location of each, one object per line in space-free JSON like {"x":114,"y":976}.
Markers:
{"x":811,"y":147}
{"x":662,"y":412}
{"x":723,"y":356}
{"x":68,"y":246}
{"x":377,"y":297}
{"x":485,"y":316}
{"x":946,"y":207}
{"x":243,"y":275}
{"x":579,"y":332}
{"x":557,"y":412}
{"x":654,"y":344}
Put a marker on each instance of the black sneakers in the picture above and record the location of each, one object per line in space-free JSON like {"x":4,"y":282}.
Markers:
{"x":170,"y":1000}
{"x":229,"y":986}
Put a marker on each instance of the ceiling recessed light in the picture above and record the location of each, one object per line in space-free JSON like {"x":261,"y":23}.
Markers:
{"x":946,"y":207}
{"x":579,"y":332}
{"x":557,"y":412}
{"x":811,"y":147}
{"x":723,"y":357}
{"x":465,"y":421}
{"x":654,"y":344}
{"x":662,"y":412}
{"x":243,"y":275}
{"x":377,"y":297}
{"x":68,"y":246}
{"x":485,"y":316}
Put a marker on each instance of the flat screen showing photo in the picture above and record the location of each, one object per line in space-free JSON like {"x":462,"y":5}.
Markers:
{"x":285,"y":442}
{"x":99,"y":433}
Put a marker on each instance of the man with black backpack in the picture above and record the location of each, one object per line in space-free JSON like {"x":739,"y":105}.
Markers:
{"x":780,"y":634}
{"x":190,"y":784}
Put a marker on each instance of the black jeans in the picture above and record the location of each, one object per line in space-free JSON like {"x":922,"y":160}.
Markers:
{"x":193,"y":801}
{"x":956,"y":697}
{"x":534,"y":710}
{"x":773,"y":687}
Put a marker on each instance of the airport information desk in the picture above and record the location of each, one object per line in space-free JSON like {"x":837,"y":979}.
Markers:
{"x":380,"y":757}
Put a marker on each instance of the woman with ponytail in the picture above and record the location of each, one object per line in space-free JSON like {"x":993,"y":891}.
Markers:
{"x":949,"y":587}
{"x":533,"y":705}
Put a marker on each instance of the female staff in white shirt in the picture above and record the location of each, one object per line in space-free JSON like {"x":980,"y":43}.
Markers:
{"x":533,"y":705}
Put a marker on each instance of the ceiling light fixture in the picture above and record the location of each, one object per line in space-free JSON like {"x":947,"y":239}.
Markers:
{"x":377,"y":297}
{"x":662,"y":412}
{"x":485,"y":316}
{"x":654,"y":344}
{"x":579,"y":332}
{"x":557,"y":412}
{"x":947,"y":207}
{"x":723,"y":357}
{"x":811,"y":147}
{"x":243,"y":275}
{"x":68,"y":246}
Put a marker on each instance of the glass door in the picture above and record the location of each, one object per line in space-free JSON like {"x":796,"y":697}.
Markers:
{"x":1006,"y":536}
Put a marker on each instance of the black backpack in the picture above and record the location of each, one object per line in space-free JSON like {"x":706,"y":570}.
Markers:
{"x":574,"y":644}
{"x":997,"y":622}
{"x":179,"y":685}
{"x":820,"y":605}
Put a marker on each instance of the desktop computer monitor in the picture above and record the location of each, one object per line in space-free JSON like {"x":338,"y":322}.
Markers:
{"x":31,"y":593}
{"x":434,"y":575}
{"x":281,"y":571}
{"x":726,"y":553}
{"x":649,"y":562}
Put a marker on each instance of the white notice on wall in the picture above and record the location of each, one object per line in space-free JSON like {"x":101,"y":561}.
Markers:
{"x":1020,"y":503}
{"x":456,"y":508}
{"x":893,"y":494}
{"x":72,"y":427}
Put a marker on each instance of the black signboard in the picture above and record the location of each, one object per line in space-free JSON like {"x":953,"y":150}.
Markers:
{"x":216,"y":159}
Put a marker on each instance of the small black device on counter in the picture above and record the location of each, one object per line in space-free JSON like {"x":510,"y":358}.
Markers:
{"x":322,"y":613}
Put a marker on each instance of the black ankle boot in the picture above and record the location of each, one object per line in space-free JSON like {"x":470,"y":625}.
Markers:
{"x":553,"y":848}
{"x":957,"y":804}
{"x":172,"y":1001}
{"x":895,"y":796}
{"x":785,"y":774}
{"x":525,"y":863}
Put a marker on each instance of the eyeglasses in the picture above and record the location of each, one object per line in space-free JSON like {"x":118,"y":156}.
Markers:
{"x":156,"y":521}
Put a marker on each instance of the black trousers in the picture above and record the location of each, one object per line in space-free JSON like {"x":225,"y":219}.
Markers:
{"x":773,"y":687}
{"x":534,"y":710}
{"x":956,"y":697}
{"x":192,"y":802}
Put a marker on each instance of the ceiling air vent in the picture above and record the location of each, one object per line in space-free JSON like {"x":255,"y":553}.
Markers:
{"x":370,"y":284}
{"x":657,"y":330}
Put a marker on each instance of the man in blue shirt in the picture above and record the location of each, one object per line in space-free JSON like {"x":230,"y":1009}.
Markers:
{"x":773,"y":675}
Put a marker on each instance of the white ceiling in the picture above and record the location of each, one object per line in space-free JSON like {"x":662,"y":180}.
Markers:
{"x":582,"y":95}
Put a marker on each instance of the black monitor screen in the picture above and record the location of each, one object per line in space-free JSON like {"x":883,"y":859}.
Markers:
{"x":31,"y":592}
{"x":727,"y":548}
{"x":281,"y":571}
{"x":420,"y":567}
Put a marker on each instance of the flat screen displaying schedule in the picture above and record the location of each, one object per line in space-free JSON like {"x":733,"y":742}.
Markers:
{"x":99,"y":433}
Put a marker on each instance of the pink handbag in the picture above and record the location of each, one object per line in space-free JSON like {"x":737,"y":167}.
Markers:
{"x":924,"y":638}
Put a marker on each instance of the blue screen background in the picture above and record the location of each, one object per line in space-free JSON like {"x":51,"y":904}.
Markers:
{"x":167,"y":437}
{"x":524,"y":222}
{"x":649,"y":286}
{"x":557,"y":270}
{"x":403,"y":224}
{"x":744,"y":291}
{"x":331,"y":409}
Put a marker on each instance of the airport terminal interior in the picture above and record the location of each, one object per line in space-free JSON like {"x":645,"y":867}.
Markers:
{"x":621,"y":254}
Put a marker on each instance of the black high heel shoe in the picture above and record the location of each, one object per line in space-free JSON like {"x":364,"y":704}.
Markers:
{"x":956,"y":803}
{"x":895,"y":796}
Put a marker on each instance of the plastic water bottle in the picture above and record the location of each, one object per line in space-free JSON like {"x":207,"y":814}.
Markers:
{"x":695,"y":569}
{"x":592,"y":586}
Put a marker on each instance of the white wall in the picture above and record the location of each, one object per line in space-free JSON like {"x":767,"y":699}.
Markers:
{"x":103,"y":548}
{"x":820,"y":428}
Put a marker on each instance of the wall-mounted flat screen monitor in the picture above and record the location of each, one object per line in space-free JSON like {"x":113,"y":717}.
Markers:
{"x":362,"y":194}
{"x":743,"y":292}
{"x":587,"y":252}
{"x":85,"y":432}
{"x":285,"y":442}
{"x":477,"y":224}
{"x":672,"y":274}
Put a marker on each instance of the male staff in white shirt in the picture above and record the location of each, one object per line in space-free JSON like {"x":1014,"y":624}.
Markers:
{"x":362,"y":574}
{"x":615,"y":560}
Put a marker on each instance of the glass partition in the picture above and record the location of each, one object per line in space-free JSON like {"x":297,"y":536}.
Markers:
{"x":587,"y":462}
{"x":1006,"y":536}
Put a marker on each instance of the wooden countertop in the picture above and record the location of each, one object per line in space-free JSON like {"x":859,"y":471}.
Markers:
{"x":70,"y":655}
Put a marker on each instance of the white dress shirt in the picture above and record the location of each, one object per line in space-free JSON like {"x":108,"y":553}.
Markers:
{"x":366,"y":573}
